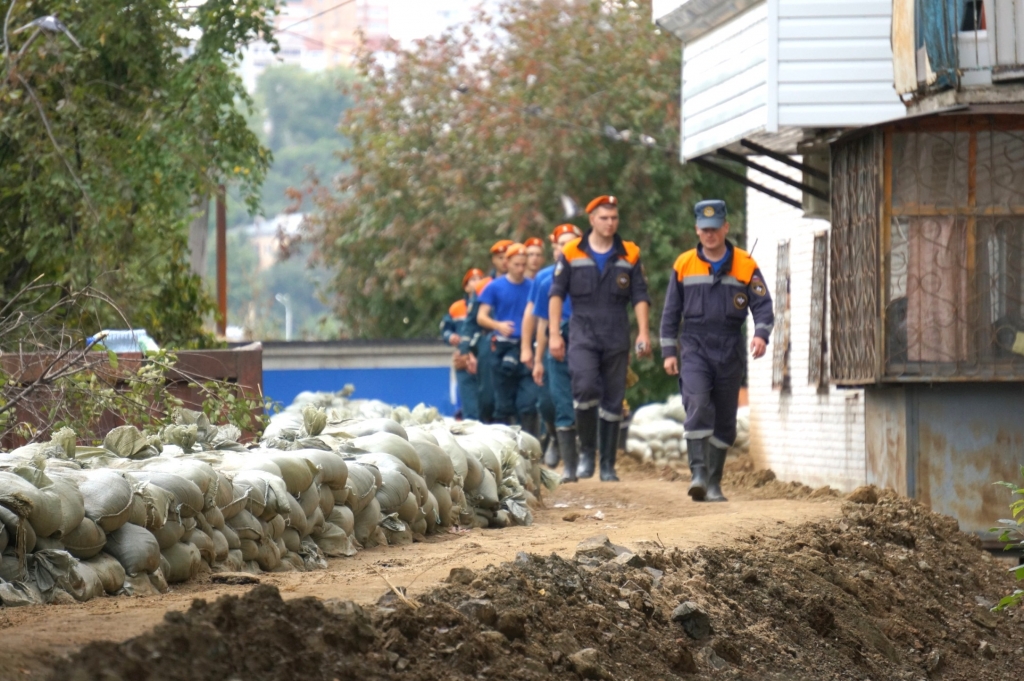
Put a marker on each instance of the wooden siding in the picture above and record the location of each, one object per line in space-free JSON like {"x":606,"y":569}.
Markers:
{"x":725,"y":93}
{"x":835,"y":63}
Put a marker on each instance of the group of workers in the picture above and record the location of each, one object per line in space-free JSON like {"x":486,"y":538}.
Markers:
{"x":552,"y":343}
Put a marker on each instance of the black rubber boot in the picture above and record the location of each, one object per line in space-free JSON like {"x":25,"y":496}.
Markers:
{"x":567,"y":446}
{"x":530,"y":423}
{"x":716,"y":466}
{"x":552,"y":454}
{"x":608,"y":441}
{"x":696,"y":451}
{"x":586,"y":427}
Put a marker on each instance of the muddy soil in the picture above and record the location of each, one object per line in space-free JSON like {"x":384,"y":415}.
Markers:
{"x":885,"y":590}
{"x":648,"y":509}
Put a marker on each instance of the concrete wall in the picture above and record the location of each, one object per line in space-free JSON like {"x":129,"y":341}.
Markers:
{"x":814,"y":437}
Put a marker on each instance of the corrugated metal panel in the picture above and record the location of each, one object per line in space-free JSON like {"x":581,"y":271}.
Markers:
{"x":835,"y":64}
{"x":725,"y":83}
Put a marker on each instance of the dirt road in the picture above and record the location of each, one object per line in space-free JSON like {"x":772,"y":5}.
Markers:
{"x":640,"y":510}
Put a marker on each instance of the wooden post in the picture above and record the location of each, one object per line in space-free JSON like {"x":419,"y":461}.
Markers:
{"x":222,"y":262}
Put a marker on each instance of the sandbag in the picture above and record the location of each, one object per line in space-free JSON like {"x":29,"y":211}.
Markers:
{"x":333,"y":469}
{"x":398,"y":537}
{"x":5,"y":538}
{"x":343,"y":517}
{"x":183,"y":563}
{"x":366,"y":427}
{"x":203,"y":542}
{"x":315,"y":522}
{"x":487,"y":492}
{"x":387,"y":443}
{"x":199,"y":473}
{"x":451,"y":447}
{"x":169,"y":535}
{"x":225,"y":490}
{"x":88,"y":584}
{"x":135,"y":548}
{"x":85,"y":541}
{"x":137,"y":514}
{"x":271,"y":489}
{"x":435,"y":464}
{"x":276,"y":527}
{"x":362,"y":486}
{"x":334,"y":541}
{"x":443,"y":499}
{"x":188,"y":497}
{"x":409,"y":511}
{"x":431,"y":514}
{"x":157,"y":579}
{"x":214,"y":517}
{"x":417,"y":434}
{"x":297,"y":517}
{"x":269,"y":556}
{"x":11,"y":569}
{"x":394,"y":491}
{"x":327,"y":499}
{"x":249,"y":549}
{"x":231,"y":537}
{"x":366,"y":522}
{"x":292,"y":540}
{"x":234,"y":562}
{"x":49,"y":544}
{"x":474,"y":474}
{"x":251,"y":493}
{"x":109,"y":570}
{"x":310,"y":499}
{"x":158,"y":502}
{"x":41,"y":508}
{"x":384,"y":462}
{"x":296,"y":471}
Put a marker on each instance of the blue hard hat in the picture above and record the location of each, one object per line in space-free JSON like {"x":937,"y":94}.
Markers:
{"x":710,"y":214}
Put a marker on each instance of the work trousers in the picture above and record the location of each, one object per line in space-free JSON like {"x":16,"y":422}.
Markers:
{"x":545,"y":404}
{"x":598,"y":378}
{"x":469,"y":396}
{"x":710,"y":375}
{"x":515,"y":391}
{"x":559,"y":383}
{"x":485,"y":379}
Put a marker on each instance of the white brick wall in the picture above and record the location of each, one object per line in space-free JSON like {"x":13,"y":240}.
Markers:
{"x":811,"y":437}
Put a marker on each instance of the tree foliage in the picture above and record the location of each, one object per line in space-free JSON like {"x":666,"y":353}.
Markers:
{"x":474,"y":136}
{"x":106,"y":149}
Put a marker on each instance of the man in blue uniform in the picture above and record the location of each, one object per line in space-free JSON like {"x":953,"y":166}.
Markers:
{"x":711,"y":289}
{"x":551,"y":374}
{"x":502,"y":305}
{"x":451,"y":326}
{"x":603,"y":275}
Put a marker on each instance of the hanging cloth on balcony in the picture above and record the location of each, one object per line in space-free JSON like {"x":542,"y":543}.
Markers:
{"x":937,"y":23}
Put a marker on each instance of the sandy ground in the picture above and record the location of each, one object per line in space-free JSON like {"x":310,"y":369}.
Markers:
{"x":639,"y":510}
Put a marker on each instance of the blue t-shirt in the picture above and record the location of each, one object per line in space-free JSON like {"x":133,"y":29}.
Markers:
{"x":541,"y":291}
{"x":507,"y":301}
{"x":601,"y":258}
{"x":716,"y":265}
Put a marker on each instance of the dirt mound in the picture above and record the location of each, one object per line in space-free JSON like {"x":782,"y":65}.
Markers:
{"x":887,"y":591}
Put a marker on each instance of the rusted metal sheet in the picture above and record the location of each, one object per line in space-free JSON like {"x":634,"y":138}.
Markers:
{"x":885,"y":431}
{"x":968,"y":437}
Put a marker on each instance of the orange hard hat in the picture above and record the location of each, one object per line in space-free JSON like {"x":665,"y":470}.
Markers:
{"x":534,"y":241}
{"x":564,"y":229}
{"x":474,"y":272}
{"x":515,"y":249}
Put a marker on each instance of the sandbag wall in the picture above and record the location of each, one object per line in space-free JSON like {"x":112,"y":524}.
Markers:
{"x":657,"y":432}
{"x":331,"y":476}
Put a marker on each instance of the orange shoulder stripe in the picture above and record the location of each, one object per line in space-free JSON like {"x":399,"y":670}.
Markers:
{"x":689,"y":265}
{"x":743,"y":265}
{"x":632,"y":252}
{"x":458,"y":309}
{"x":482,"y":284}
{"x":572,"y":250}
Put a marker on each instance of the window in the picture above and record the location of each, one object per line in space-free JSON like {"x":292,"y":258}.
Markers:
{"x":817,"y":366}
{"x":780,"y":354}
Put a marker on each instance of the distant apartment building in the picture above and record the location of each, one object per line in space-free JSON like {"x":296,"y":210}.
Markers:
{"x":316,"y":35}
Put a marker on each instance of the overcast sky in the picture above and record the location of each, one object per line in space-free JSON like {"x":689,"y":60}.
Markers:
{"x":412,"y":19}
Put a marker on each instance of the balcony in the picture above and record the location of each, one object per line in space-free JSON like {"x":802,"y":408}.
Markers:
{"x":958,"y":51}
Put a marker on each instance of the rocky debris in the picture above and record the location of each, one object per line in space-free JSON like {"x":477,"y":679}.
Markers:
{"x":234,"y":578}
{"x":587,"y":663}
{"x":867,"y":494}
{"x":461,"y":575}
{"x":694,"y":620}
{"x":807,"y":615}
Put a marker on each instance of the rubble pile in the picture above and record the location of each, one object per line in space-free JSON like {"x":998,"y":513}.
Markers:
{"x":889,"y":590}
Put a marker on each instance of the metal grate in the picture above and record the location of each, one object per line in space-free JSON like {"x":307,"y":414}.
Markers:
{"x":853,"y":263}
{"x":817,"y":370}
{"x":954,"y":281}
{"x":780,"y":353}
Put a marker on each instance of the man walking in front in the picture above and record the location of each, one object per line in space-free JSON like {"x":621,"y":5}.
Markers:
{"x":603,"y":275}
{"x":710,"y":291}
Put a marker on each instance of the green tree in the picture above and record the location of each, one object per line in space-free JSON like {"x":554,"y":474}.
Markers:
{"x":474,"y":136}
{"x":106,"y":148}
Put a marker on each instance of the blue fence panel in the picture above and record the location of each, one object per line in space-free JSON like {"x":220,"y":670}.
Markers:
{"x":399,"y":386}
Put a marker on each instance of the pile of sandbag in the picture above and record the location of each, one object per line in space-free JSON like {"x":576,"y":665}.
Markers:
{"x":144,"y":511}
{"x":656,"y":432}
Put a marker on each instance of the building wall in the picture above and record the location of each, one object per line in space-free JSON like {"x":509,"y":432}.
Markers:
{"x":805,"y":435}
{"x":725,"y":83}
{"x":834,"y":66}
